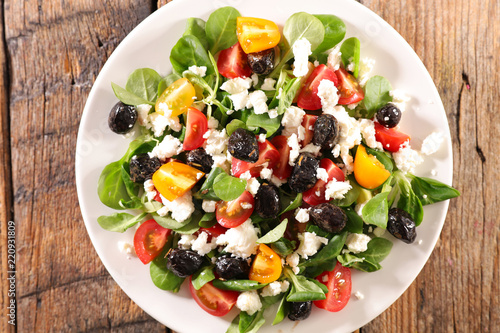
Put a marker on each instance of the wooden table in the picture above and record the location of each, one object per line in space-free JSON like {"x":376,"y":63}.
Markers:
{"x":50,"y":55}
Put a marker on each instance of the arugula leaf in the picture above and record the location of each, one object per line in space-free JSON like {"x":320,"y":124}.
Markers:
{"x":350,"y":50}
{"x":288,"y":94}
{"x":328,"y":253}
{"x":334,"y":32}
{"x":275,"y":234}
{"x":127,"y":97}
{"x":119,"y":222}
{"x":207,"y":220}
{"x":110,"y":188}
{"x":234,"y":125}
{"x":376,"y":210}
{"x":282,"y":311}
{"x":430,"y":191}
{"x":303,"y":289}
{"x":238,"y":285}
{"x":206,"y":191}
{"x":354,"y":221}
{"x":290,"y":204}
{"x":283,"y":246}
{"x":168,"y":222}
{"x":376,"y":95}
{"x":196,"y":27}
{"x":221,"y":29}
{"x":368,"y":261}
{"x":270,"y":125}
{"x":202,"y":277}
{"x":189,"y":52}
{"x":228,"y":188}
{"x":408,"y":200}
{"x":143,"y":82}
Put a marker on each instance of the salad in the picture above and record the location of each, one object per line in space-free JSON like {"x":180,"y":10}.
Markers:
{"x":265,"y":167}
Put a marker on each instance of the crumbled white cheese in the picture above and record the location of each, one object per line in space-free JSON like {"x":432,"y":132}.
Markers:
{"x":216,"y":141}
{"x":357,"y":243}
{"x":213,"y":123}
{"x":336,"y":190}
{"x":276,"y":181}
{"x":351,"y":67}
{"x":237,"y":85}
{"x":126,"y":248}
{"x":293,"y":143}
{"x":246,"y":205}
{"x":432,"y":143}
{"x":246,"y":175}
{"x":202,"y":246}
{"x":292,"y":260}
{"x":399,"y":99}
{"x":280,"y":90}
{"x":359,"y":208}
{"x":185,"y":241}
{"x":249,"y":301}
{"x":149,"y":188}
{"x":312,"y":149}
{"x":208,"y":206}
{"x":407,"y":159}
{"x":275,"y":288}
{"x":334,"y":58}
{"x":200,"y":106}
{"x":322,"y":174}
{"x":240,"y":100}
{"x":266,"y":173}
{"x":301,"y":52}
{"x":378,"y":232}
{"x":316,"y":63}
{"x":262,"y":138}
{"x":181,"y":208}
{"x":310,"y":244}
{"x":201,"y":71}
{"x":292,"y":120}
{"x":253,"y":186}
{"x":302,"y":215}
{"x":268,"y":84}
{"x":352,"y":106}
{"x":255,"y":79}
{"x":240,"y":241}
{"x":366,"y":66}
{"x":359,"y":295}
{"x":328,"y":94}
{"x":142,"y":113}
{"x":172,"y":121}
{"x":169,"y":147}
{"x":273,"y":113}
{"x":367,"y":128}
{"x":258,"y":100}
{"x":221,"y":161}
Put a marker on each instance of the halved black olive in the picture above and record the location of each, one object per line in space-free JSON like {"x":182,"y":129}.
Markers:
{"x":303,"y":175}
{"x":328,"y":217}
{"x":230,"y":268}
{"x":261,"y":62}
{"x":243,"y":145}
{"x":326,"y":131}
{"x":300,"y":310}
{"x":122,"y":118}
{"x":183,"y":263}
{"x":267,"y":201}
{"x":142,"y":167}
{"x":401,"y":225}
{"x":199,"y":159}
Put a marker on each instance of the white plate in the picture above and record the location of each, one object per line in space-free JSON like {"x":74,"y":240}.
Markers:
{"x":149,"y":45}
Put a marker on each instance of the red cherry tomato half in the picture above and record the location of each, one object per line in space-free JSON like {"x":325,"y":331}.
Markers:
{"x":282,"y":169}
{"x":267,"y":154}
{"x":214,"y":231}
{"x":196,"y":126}
{"x":233,"y":63}
{"x":339,"y":288}
{"x":350,"y":90}
{"x":308,"y":123}
{"x":316,"y":195}
{"x":233,"y":213}
{"x":214,"y":301}
{"x":149,"y":240}
{"x":390,"y":138}
{"x":308,"y":97}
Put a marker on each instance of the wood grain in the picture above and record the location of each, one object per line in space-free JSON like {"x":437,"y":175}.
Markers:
{"x":52,"y":54}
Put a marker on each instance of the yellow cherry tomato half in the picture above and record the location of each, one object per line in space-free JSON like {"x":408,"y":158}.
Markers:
{"x":368,"y":171}
{"x":178,"y":97}
{"x":266,"y":266}
{"x":255,"y":34}
{"x":173,"y":179}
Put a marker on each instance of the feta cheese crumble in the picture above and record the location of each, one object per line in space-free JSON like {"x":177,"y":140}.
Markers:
{"x":169,"y":147}
{"x":240,"y":241}
{"x":327,"y":92}
{"x":367,"y":128}
{"x":310,"y":244}
{"x":237,"y":85}
{"x":302,"y":215}
{"x":253,"y":186}
{"x":336,"y":190}
{"x":201,"y":244}
{"x":432,"y":143}
{"x":126,"y":248}
{"x":359,"y":295}
{"x":322,"y":174}
{"x":275,"y":288}
{"x":357,"y":243}
{"x":201,"y":71}
{"x":407,"y":159}
{"x":268,"y":84}
{"x":149,"y":188}
{"x":249,"y":301}
{"x":293,"y":143}
{"x":142,"y":113}
{"x":292,"y":260}
{"x":301,"y":52}
{"x":292,"y":120}
{"x":181,"y":208}
{"x":185,"y":241}
{"x":334,"y":58}
{"x":208,"y":206}
{"x":266,"y":173}
{"x":258,"y":100}
{"x":365,"y":70}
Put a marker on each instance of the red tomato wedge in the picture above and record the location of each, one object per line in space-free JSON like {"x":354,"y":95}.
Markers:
{"x":316,"y":195}
{"x":233,"y":213}
{"x":149,"y":240}
{"x":214,"y":301}
{"x":308,"y":123}
{"x":214,"y":231}
{"x":390,"y":138}
{"x":308,"y":97}
{"x":282,"y":169}
{"x":196,"y":126}
{"x":339,"y":288}
{"x":350,"y":90}
{"x":267,"y":154}
{"x":233,"y":63}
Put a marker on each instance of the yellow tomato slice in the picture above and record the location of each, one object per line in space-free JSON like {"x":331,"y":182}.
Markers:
{"x":178,"y":97}
{"x":266,"y":266}
{"x":173,"y":179}
{"x":368,"y":171}
{"x":255,"y":34}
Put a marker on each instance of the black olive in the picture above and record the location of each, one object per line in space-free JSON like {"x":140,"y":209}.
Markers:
{"x":389,"y":115}
{"x":142,"y":167}
{"x":328,"y":217}
{"x":243,"y":145}
{"x":300,"y":310}
{"x":267,"y":201}
{"x":230,"y":268}
{"x":326,"y":131}
{"x":401,"y":225}
{"x":199,"y":159}
{"x":122,"y":118}
{"x":183,"y":263}
{"x":261,"y":62}
{"x":303,"y":175}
